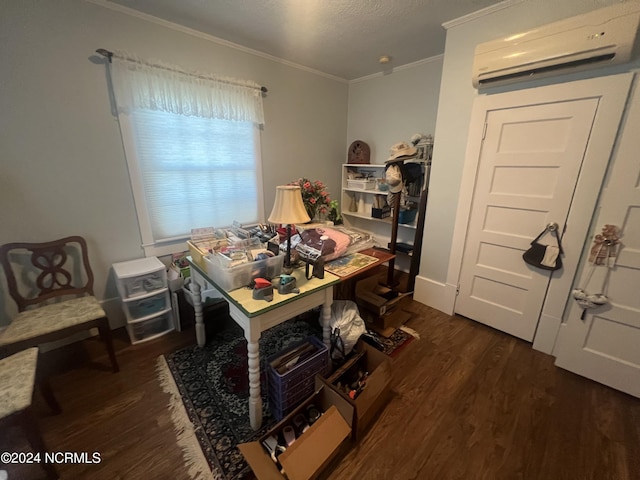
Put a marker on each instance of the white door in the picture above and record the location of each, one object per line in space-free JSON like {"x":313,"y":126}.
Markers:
{"x":605,"y":346}
{"x":528,"y":168}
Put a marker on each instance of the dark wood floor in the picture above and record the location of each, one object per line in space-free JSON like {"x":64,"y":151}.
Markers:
{"x":469,"y":403}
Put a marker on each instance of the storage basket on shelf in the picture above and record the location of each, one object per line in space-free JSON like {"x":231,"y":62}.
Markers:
{"x":364,"y":183}
{"x":407,"y":216}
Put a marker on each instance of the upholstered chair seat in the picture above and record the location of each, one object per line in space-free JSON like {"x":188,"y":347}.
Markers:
{"x":51,"y":318}
{"x":18,"y":376}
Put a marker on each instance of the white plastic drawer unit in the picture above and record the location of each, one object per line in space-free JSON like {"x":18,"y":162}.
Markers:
{"x":142,"y":285}
{"x":140,"y":277}
{"x":147,"y":305}
{"x":146,"y":302}
{"x":144,"y":330}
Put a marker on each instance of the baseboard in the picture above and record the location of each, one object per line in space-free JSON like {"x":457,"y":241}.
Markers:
{"x":435,"y":294}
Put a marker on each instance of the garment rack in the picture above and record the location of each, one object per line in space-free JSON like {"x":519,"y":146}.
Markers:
{"x":417,"y":241}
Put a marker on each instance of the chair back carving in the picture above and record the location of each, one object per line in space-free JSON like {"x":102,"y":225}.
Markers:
{"x":46,"y":270}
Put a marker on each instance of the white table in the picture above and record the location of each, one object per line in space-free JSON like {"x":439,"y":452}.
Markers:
{"x":256,"y":316}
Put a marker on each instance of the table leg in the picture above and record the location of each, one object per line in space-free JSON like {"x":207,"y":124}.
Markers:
{"x":194,"y":287}
{"x":325,"y":317}
{"x":255,"y":398}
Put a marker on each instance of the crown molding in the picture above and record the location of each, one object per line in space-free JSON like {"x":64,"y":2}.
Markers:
{"x":480,"y":13}
{"x":205,"y":36}
{"x":407,"y":66}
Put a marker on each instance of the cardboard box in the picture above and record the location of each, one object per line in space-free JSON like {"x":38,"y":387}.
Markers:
{"x":199,"y":248}
{"x":376,"y":298}
{"x":387,"y":323}
{"x":375,"y":394}
{"x":197,"y":253}
{"x":313,"y":450}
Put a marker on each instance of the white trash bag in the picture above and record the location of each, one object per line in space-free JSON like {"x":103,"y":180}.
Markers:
{"x":346,"y":328}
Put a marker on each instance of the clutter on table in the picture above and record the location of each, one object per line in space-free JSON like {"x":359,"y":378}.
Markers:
{"x":236,"y":256}
{"x":262,"y":289}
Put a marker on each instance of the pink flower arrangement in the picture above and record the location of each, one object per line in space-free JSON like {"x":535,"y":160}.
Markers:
{"x":314,"y":196}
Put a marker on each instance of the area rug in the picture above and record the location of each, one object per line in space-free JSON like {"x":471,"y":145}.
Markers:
{"x":402,"y":337}
{"x":209,"y":392}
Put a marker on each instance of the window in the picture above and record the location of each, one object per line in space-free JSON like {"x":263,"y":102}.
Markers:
{"x":192,"y":149}
{"x":194,"y":172}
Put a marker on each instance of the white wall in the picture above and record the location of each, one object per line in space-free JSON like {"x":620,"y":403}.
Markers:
{"x":387,"y":109}
{"x":452,"y":128}
{"x":62,"y":166}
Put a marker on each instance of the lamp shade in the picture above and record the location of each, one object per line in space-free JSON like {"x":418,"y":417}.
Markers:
{"x":288,"y":207}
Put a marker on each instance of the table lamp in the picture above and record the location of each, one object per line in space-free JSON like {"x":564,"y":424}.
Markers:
{"x":287,"y":209}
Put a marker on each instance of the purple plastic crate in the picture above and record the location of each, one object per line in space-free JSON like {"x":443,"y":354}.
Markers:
{"x":288,"y":390}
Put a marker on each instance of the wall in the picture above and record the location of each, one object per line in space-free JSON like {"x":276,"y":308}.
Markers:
{"x":62,"y":165}
{"x":387,"y":109}
{"x":455,"y":104}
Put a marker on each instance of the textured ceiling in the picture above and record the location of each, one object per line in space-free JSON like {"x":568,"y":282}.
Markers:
{"x":343,"y":38}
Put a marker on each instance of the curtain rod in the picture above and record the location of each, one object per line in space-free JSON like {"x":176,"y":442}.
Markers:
{"x":109,"y":55}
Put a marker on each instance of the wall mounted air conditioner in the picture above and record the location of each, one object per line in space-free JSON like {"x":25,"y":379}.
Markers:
{"x":599,"y":38}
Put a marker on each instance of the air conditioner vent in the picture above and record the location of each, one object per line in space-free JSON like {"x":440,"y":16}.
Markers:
{"x":544,"y":71}
{"x":599,"y":38}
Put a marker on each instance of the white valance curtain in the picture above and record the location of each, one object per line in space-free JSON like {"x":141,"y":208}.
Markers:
{"x":142,"y":84}
{"x":192,"y":143}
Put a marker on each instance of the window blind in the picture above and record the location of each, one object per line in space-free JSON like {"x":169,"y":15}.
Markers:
{"x":196,"y":172}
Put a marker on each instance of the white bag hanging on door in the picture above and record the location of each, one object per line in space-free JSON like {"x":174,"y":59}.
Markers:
{"x":605,"y":250}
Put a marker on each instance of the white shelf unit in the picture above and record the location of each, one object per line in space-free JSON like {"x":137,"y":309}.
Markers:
{"x":146,"y":302}
{"x":362,"y":200}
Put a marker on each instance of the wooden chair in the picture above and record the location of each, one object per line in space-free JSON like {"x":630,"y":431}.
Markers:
{"x":55,"y":295}
{"x":18,"y":375}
